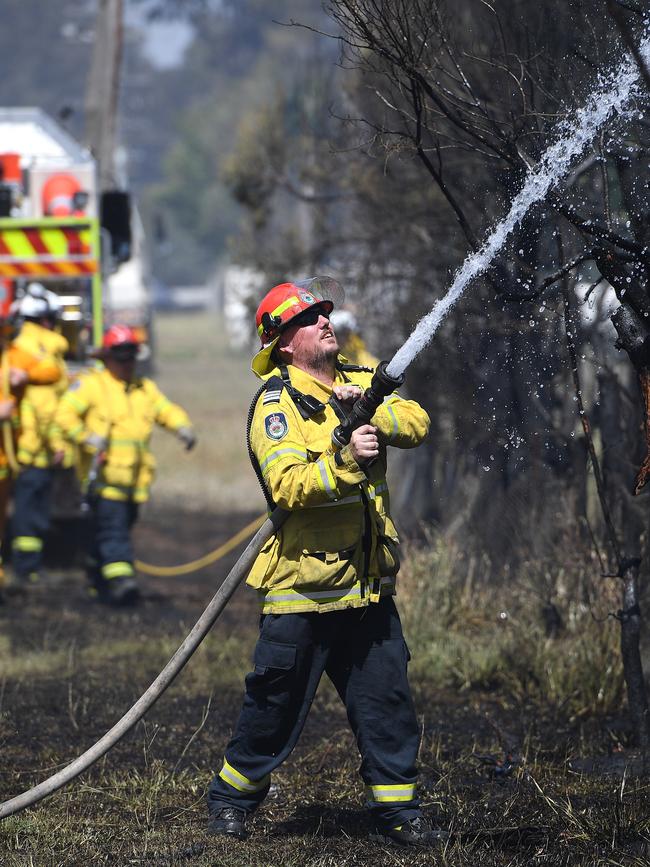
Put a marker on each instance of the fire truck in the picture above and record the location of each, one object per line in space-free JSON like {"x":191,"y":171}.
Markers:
{"x":56,"y":227}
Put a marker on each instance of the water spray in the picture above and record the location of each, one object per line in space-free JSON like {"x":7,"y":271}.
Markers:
{"x":613,"y":96}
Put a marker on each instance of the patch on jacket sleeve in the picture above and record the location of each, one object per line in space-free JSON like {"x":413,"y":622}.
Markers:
{"x":276,"y":425}
{"x":74,"y":385}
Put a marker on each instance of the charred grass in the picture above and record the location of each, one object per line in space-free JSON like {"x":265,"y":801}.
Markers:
{"x":488,"y":690}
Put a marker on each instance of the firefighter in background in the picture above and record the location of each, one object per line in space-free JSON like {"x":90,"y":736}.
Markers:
{"x":326,"y":580}
{"x":110,"y":413}
{"x":18,"y":369}
{"x":353,"y":346}
{"x":39,"y":448}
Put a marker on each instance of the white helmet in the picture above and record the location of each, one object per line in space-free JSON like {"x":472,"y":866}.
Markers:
{"x":344,"y":320}
{"x":38,"y":303}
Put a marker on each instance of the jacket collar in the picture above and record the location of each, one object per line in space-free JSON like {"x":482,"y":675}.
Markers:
{"x":127,"y":386}
{"x":309,"y":384}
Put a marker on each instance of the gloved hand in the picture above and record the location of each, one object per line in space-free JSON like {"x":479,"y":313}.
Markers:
{"x":96,"y":443}
{"x":187,"y":436}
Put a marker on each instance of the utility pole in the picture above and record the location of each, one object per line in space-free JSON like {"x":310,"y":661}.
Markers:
{"x":103,"y":89}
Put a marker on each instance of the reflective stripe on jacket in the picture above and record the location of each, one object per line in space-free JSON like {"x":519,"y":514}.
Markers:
{"x":338,"y":548}
{"x":37,"y":440}
{"x":124,"y":414}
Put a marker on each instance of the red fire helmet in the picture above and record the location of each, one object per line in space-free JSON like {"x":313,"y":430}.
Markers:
{"x":119,"y":335}
{"x":282,"y":304}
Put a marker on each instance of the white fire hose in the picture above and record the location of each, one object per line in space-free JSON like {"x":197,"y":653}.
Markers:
{"x":160,"y":684}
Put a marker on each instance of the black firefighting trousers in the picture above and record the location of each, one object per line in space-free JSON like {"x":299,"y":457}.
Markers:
{"x":111,"y":551}
{"x":31,"y":519}
{"x":364,"y":654}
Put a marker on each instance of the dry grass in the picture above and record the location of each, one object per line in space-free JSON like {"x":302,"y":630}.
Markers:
{"x":471,"y":633}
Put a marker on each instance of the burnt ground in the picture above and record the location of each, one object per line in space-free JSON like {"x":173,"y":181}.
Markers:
{"x":72,"y":667}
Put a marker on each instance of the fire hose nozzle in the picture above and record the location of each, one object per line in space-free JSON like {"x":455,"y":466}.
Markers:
{"x":363,"y":410}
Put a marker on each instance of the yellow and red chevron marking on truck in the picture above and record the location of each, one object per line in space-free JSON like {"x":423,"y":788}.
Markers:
{"x":49,"y":247}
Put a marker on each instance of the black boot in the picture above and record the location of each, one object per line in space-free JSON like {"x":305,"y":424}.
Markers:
{"x":414,"y":832}
{"x":229,"y":821}
{"x":30,"y":579}
{"x":122,"y":591}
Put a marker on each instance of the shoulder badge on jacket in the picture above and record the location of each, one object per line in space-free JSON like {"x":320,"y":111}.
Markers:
{"x":276,"y":425}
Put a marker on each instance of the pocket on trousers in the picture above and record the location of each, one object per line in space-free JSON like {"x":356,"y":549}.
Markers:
{"x":270,"y":683}
{"x":270,"y":655}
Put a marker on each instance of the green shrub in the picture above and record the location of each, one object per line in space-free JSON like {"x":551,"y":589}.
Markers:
{"x":467,"y":631}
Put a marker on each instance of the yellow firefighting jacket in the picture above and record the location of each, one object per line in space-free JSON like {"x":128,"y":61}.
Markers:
{"x":41,"y":372}
{"x":338,"y":547}
{"x":356,"y":352}
{"x":124,"y":414}
{"x":38,"y":406}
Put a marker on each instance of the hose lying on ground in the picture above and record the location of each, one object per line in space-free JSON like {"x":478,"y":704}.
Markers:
{"x":207,"y":560}
{"x":160,"y":684}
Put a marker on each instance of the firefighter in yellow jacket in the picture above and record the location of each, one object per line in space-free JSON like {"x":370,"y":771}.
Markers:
{"x":39,"y":310}
{"x":326,"y":580}
{"x":18,"y":368}
{"x":110,"y":414}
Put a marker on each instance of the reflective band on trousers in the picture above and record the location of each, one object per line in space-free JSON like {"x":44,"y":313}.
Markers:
{"x":238,"y":781}
{"x":119,"y":569}
{"x":27,"y":543}
{"x":390,"y":794}
{"x":293,"y":597}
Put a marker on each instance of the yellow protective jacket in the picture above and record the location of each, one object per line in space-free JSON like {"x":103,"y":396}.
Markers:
{"x":41,"y":372}
{"x":38,"y":406}
{"x":124,"y":414}
{"x":356,"y":352}
{"x":338,"y":547}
